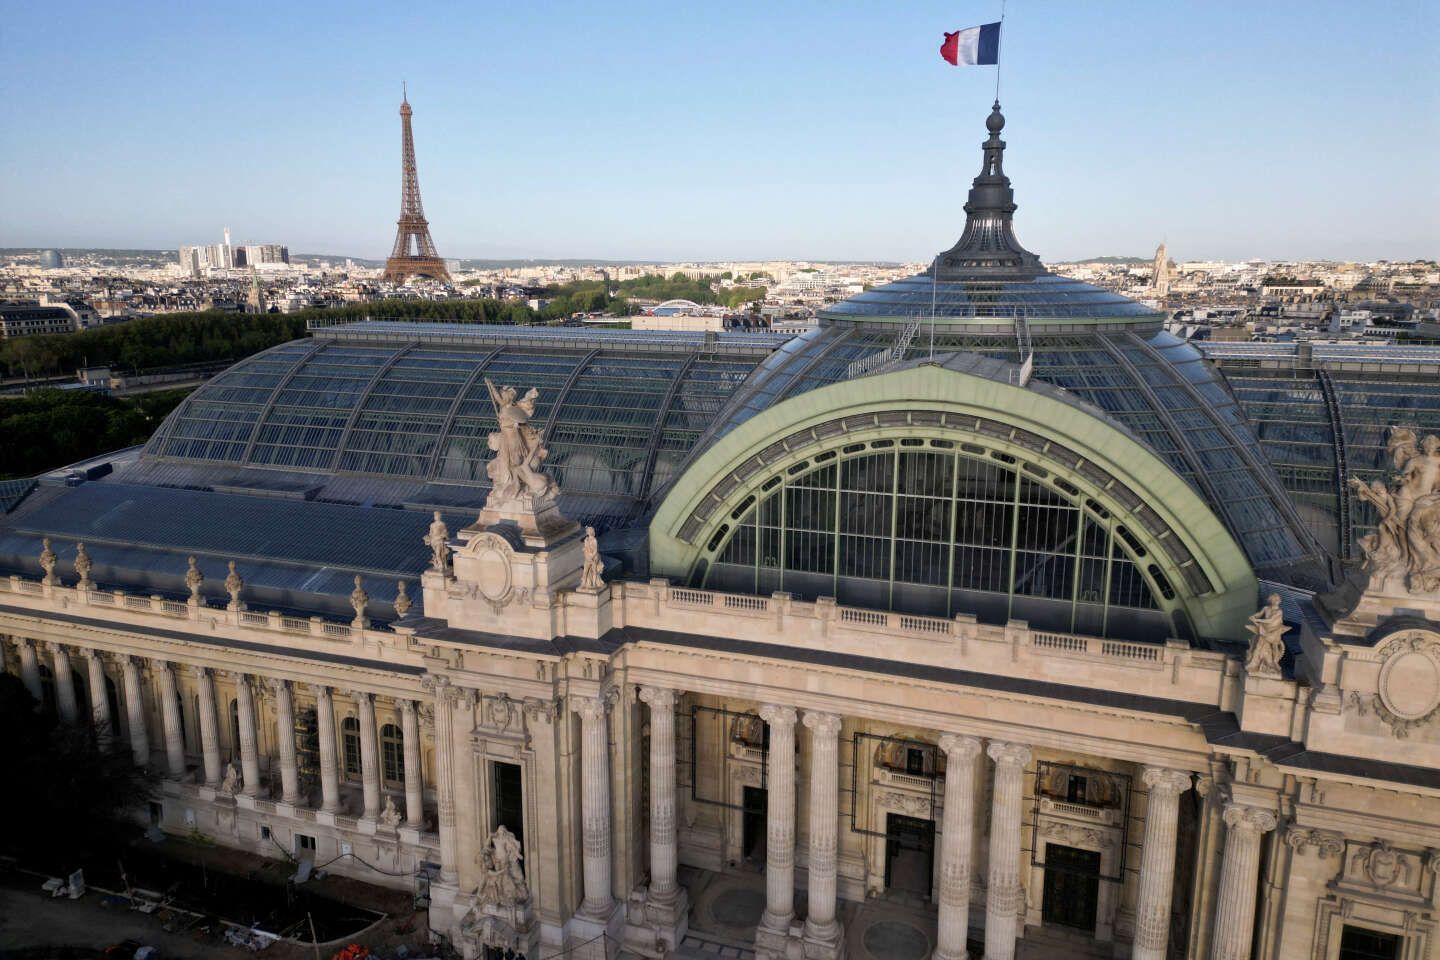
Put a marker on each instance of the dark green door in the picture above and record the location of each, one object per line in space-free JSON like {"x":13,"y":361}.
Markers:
{"x":1072,"y":887}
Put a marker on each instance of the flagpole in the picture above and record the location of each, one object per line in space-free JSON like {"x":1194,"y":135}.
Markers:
{"x":999,"y":42}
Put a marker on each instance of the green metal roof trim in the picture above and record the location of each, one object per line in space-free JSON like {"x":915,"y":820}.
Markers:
{"x":677,"y":537}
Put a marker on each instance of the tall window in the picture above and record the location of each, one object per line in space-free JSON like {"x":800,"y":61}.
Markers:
{"x":392,"y":754}
{"x":350,"y":738}
{"x":1359,"y":943}
{"x":47,"y":690}
{"x":938,"y":527}
{"x":234,"y":729}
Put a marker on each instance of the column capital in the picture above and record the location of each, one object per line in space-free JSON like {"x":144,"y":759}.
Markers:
{"x":1166,"y":781}
{"x":200,"y":672}
{"x":1238,"y":815}
{"x":589,"y":708}
{"x":90,"y":653}
{"x":778,"y":715}
{"x":321,"y":691}
{"x":362,"y":696}
{"x":407,"y":707}
{"x":659,"y":698}
{"x":1004,"y":752}
{"x":823,"y":724}
{"x":277,"y":685}
{"x":958,"y":747}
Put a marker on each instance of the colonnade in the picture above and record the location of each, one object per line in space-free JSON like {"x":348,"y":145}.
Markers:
{"x":212,"y":768}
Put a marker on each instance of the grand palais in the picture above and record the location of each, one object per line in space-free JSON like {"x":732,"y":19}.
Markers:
{"x":987,"y":619}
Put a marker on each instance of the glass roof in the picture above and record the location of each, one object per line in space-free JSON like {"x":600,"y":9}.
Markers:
{"x":408,"y":402}
{"x":1041,"y":300}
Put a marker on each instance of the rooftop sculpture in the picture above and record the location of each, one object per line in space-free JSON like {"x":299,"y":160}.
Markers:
{"x":1403,"y":554}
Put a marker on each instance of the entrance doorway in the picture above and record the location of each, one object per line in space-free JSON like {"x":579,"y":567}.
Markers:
{"x":752,"y":824}
{"x":1072,"y":887}
{"x":909,"y":854}
{"x":507,"y":799}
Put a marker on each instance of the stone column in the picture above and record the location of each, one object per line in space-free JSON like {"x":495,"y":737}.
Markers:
{"x":170,"y":716}
{"x":209,"y":727}
{"x":595,"y":805}
{"x":99,"y":701}
{"x":65,"y":703}
{"x":414,"y":787}
{"x":30,"y":669}
{"x":779,"y":819}
{"x":369,"y":753}
{"x":1157,"y":861}
{"x":956,"y":845}
{"x":1239,"y":873}
{"x":1004,"y":893}
{"x":664,"y":853}
{"x":135,"y":711}
{"x":820,"y":922}
{"x":444,"y":780}
{"x":325,"y":729}
{"x":249,"y":755}
{"x":285,"y":741}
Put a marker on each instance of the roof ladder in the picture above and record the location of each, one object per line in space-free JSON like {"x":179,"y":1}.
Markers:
{"x":888,"y":357}
{"x":1342,"y":467}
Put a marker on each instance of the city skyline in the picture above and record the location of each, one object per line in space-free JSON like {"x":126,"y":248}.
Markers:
{"x":710,"y":139}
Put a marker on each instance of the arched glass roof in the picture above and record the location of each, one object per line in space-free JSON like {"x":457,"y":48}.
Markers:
{"x":408,"y":403}
{"x":1042,"y":300}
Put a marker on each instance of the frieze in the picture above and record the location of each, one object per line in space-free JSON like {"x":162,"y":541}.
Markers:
{"x":911,"y":804}
{"x":1073,"y":835}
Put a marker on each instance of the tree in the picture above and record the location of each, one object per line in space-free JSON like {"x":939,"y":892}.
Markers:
{"x":85,"y":789}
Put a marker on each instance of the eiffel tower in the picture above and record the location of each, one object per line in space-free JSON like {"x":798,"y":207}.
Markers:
{"x":414,"y":254}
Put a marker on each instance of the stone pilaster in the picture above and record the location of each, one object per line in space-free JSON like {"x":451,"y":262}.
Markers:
{"x":1239,"y":874}
{"x":170,"y":717}
{"x":414,"y":787}
{"x":209,"y":727}
{"x":956,"y":846}
{"x":445,"y":781}
{"x":285,"y":741}
{"x":369,"y":753}
{"x":249,"y":755}
{"x":1157,"y":861}
{"x":65,"y":703}
{"x":1004,"y":893}
{"x":325,"y":730}
{"x":135,"y":711}
{"x":99,"y":700}
{"x":774,"y":932}
{"x":824,"y":937}
{"x":30,"y":668}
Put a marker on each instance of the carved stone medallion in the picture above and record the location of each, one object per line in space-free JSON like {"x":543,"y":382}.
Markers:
{"x":1410,"y":679}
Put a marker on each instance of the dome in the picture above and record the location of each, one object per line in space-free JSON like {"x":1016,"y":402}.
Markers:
{"x":990,"y":296}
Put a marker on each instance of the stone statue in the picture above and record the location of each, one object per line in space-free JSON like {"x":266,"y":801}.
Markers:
{"x":193,"y":579}
{"x":438,"y":539}
{"x":231,"y":784}
{"x":502,"y":880}
{"x":402,"y":600}
{"x":48,"y":559}
{"x":83,"y":566}
{"x":1266,"y":627}
{"x":590,"y":578}
{"x":515,"y":470}
{"x":390,"y":816}
{"x":233,"y":585}
{"x":358,"y":599}
{"x":1404,"y":551}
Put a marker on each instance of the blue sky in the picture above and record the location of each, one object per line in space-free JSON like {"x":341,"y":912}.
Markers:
{"x":755,"y":130}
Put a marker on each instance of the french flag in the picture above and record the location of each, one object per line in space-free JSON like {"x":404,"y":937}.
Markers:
{"x":978,"y":46}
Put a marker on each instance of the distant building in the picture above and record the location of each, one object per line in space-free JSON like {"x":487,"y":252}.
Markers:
{"x":51,"y":260}
{"x":33,"y":319}
{"x":1160,"y":277}
{"x":194,"y":260}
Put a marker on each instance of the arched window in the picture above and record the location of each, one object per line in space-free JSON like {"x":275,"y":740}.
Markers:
{"x":350,"y":740}
{"x":939,"y":527}
{"x":392,"y":754}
